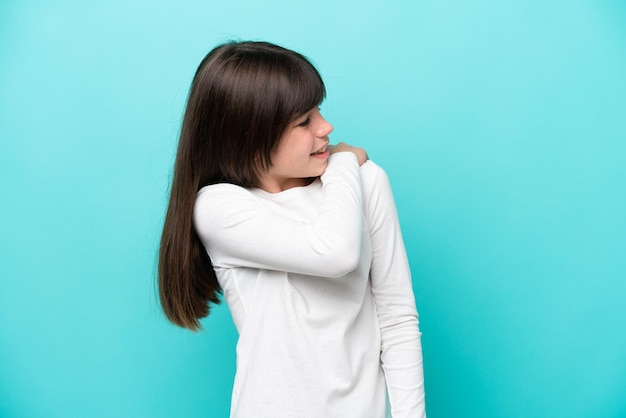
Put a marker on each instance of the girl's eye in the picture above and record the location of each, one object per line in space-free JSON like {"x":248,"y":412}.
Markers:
{"x":306,"y":122}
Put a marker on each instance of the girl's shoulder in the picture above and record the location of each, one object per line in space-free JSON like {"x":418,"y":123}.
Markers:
{"x":373,"y":177}
{"x":370,"y":168}
{"x":222,"y":204}
{"x":222,"y":189}
{"x":222,"y":197}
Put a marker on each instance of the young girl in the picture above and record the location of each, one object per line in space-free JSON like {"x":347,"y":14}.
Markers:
{"x":301,"y":237}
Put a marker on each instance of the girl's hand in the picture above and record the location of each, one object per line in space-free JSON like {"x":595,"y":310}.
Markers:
{"x":343,"y":147}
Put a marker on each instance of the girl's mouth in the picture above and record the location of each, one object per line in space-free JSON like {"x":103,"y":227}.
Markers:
{"x":322,"y":153}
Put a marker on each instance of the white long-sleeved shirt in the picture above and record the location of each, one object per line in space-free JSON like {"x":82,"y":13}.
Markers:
{"x":318,"y":285}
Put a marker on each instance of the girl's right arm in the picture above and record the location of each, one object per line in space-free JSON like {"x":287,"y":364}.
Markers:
{"x":238,"y":231}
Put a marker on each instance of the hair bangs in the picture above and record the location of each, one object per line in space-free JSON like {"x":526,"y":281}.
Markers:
{"x":306,"y":89}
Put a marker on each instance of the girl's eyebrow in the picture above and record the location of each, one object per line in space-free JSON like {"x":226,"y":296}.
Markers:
{"x":298,"y":118}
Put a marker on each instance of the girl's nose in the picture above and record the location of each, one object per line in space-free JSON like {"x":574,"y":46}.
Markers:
{"x":324,"y":128}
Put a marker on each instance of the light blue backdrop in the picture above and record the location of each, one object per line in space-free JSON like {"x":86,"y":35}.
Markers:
{"x":502,"y":126}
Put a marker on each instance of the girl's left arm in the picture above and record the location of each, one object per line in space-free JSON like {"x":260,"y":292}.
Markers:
{"x":401,"y":349}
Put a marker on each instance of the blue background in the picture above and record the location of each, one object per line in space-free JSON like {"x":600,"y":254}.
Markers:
{"x":502,"y":126}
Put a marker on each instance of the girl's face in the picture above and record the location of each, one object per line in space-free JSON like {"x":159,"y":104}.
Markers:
{"x":301,"y":153}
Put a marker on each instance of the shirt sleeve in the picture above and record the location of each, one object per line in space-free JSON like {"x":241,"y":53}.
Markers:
{"x":237,"y":230}
{"x":401,"y":349}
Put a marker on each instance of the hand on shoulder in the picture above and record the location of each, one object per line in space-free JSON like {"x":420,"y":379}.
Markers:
{"x":360,"y":153}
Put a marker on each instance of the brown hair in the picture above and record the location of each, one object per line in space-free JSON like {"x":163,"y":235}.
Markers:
{"x":242,"y":98}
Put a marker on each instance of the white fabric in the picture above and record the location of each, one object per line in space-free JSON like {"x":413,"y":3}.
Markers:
{"x":318,"y":285}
